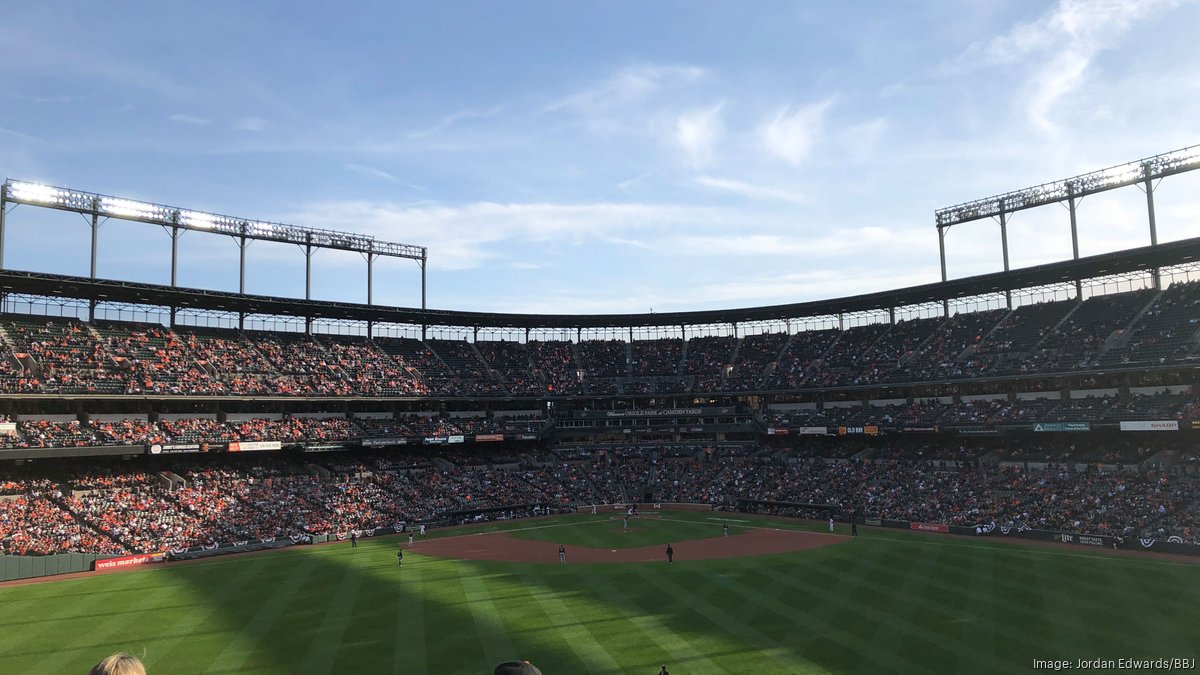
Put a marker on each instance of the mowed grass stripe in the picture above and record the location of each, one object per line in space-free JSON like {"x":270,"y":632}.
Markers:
{"x":408,"y":651}
{"x":97,"y":639}
{"x":23,"y":646}
{"x":674,"y":647}
{"x":326,"y":640}
{"x":251,"y":634}
{"x":832,"y":643}
{"x":487,"y":616}
{"x":694,"y":589}
{"x":572,"y":627}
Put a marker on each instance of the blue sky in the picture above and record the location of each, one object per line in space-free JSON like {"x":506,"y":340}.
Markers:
{"x":600,"y":157}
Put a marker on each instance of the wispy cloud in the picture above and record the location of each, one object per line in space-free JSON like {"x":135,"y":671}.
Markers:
{"x":698,"y":131}
{"x":1057,"y":49}
{"x":190,"y":119}
{"x":454,"y":118}
{"x":791,"y":134}
{"x":626,"y":84}
{"x":373,"y":172}
{"x":750,"y":190}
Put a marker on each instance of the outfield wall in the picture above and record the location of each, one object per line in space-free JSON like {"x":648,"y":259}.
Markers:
{"x":1170,"y":545}
{"x":14,"y":567}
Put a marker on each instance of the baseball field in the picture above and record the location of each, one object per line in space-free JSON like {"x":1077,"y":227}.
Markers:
{"x":772,"y":597}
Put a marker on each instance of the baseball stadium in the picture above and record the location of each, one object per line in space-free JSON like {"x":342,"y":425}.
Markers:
{"x":415,"y":410}
{"x":967,"y":476}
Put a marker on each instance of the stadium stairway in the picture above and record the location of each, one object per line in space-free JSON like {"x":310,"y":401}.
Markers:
{"x":1054,"y":329}
{"x":1120,"y":337}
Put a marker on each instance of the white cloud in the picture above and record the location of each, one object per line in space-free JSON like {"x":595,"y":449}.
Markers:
{"x":469,"y":236}
{"x":190,"y":119}
{"x":1057,"y":49}
{"x":750,"y":190}
{"x":698,"y":131}
{"x":791,"y":134}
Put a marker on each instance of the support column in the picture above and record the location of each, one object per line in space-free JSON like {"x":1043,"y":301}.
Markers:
{"x":422,"y":283}
{"x":1004,"y":248}
{"x":370,"y":276}
{"x":942,"y":254}
{"x":308,"y":271}
{"x":174,"y":233}
{"x":1153,"y":225}
{"x":95,"y":240}
{"x":370,"y":330}
{"x":892,"y":315}
{"x":242,"y":265}
{"x":1071,"y":208}
{"x":3,"y":213}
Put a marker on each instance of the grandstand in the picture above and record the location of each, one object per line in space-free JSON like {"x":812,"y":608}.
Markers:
{"x":409,"y":414}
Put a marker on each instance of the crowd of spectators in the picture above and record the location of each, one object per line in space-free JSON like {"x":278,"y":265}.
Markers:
{"x":1135,"y":328}
{"x":181,"y":502}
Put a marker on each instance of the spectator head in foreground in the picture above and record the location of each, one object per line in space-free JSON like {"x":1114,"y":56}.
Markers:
{"x":119,"y":664}
{"x":516,"y":668}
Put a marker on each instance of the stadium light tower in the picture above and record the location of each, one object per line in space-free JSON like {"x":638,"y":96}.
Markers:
{"x":1144,"y":173}
{"x":177,"y":220}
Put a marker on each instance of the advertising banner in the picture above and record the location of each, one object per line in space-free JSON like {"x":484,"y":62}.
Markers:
{"x":665,"y":412}
{"x":489,"y":438}
{"x":434,"y":440}
{"x":324,"y":447}
{"x":455,"y":439}
{"x":921,"y":430}
{"x":381,"y":442}
{"x":8,"y":428}
{"x":979,"y":432}
{"x":1062,"y":426}
{"x":929,"y":527}
{"x":869,"y":430}
{"x":254,"y":446}
{"x":1162,"y":425}
{"x":129,"y":561}
{"x":180,"y":448}
{"x":527,"y":437}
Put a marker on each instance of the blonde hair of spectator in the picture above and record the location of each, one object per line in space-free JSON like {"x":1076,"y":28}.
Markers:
{"x":119,"y":664}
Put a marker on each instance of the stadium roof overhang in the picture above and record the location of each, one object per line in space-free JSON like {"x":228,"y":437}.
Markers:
{"x":100,"y":290}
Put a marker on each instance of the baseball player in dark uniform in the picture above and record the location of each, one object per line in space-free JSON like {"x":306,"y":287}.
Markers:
{"x":670,"y":554}
{"x":400,"y":557}
{"x":663,"y":671}
{"x":353,"y":539}
{"x":562,"y":553}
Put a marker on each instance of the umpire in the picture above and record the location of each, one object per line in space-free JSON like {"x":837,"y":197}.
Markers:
{"x":670,"y":554}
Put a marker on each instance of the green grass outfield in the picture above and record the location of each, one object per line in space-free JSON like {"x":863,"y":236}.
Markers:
{"x":886,"y":602}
